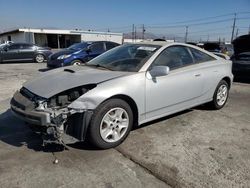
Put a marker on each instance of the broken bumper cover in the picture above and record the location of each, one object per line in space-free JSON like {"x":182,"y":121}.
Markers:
{"x":63,"y":128}
{"x":22,"y":108}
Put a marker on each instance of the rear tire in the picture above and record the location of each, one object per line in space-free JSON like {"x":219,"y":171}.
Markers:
{"x":220,"y":95}
{"x":110,"y":124}
{"x":39,"y":58}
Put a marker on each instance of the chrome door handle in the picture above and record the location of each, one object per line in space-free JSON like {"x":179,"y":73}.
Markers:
{"x":197,"y":75}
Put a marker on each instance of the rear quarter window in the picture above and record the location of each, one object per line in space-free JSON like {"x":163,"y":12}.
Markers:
{"x":110,"y":45}
{"x":201,"y":57}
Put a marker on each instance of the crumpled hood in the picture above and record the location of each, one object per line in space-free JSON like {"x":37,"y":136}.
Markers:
{"x":55,"y":81}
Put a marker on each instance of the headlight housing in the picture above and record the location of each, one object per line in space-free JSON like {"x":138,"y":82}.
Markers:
{"x":64,"y":56}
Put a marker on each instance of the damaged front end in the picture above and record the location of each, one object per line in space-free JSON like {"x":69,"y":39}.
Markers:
{"x":52,"y":117}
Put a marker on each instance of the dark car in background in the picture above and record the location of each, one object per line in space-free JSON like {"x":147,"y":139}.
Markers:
{"x":241,"y":64}
{"x":15,"y":52}
{"x":79,"y":53}
{"x":241,"y":57}
{"x":217,"y":47}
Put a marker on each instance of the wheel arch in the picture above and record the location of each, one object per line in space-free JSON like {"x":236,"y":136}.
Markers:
{"x":131,"y":103}
{"x":228,"y":80}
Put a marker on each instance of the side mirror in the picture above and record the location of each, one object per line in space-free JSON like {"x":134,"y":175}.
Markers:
{"x":157,"y":71}
{"x":88,"y":50}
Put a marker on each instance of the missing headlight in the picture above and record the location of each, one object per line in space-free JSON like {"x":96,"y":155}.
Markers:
{"x":66,"y":97}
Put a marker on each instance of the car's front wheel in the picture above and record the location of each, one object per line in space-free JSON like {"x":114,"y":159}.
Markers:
{"x":111,"y":123}
{"x":39,"y":58}
{"x":220,"y":95}
{"x":76,"y":62}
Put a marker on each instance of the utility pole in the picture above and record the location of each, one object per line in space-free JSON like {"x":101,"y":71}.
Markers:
{"x":133,"y":30}
{"x":232,"y":37}
{"x":135,"y":34}
{"x":237,"y":31}
{"x":143,"y":31}
{"x":186,"y":34}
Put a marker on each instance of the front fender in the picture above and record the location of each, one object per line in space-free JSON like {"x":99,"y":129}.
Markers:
{"x":132,"y":86}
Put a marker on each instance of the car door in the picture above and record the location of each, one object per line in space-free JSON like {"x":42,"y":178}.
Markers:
{"x":27,"y":52}
{"x":177,"y":90}
{"x":96,"y":49}
{"x":209,"y":69}
{"x":10,"y":53}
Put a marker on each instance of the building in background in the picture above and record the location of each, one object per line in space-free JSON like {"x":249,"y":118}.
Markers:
{"x":55,"y":38}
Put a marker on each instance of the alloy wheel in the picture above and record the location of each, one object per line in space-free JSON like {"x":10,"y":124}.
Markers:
{"x":222,"y":95}
{"x":114,"y":125}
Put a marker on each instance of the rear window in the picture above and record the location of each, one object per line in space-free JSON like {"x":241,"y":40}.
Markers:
{"x":243,"y":56}
{"x":200,"y":57}
{"x":110,"y":45}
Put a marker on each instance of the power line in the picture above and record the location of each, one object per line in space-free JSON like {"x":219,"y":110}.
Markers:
{"x":195,"y":20}
{"x":211,"y":34}
{"x":196,"y":24}
{"x":207,"y":30}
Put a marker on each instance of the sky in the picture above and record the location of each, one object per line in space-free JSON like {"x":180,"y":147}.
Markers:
{"x":206,"y":19}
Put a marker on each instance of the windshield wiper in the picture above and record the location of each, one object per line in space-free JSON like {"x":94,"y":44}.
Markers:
{"x":99,"y":66}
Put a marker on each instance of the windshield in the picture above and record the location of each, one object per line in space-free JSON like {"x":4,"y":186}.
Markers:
{"x":128,"y":57}
{"x":78,"y":46}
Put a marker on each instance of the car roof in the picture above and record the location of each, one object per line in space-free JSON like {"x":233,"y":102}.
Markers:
{"x":159,"y":43}
{"x":91,"y":42}
{"x":20,"y":43}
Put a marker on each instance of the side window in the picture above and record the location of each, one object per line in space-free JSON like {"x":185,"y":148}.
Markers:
{"x":200,"y":57}
{"x":27,"y":46}
{"x":97,"y":47}
{"x":14,"y":47}
{"x":174,"y":57}
{"x":110,"y":45}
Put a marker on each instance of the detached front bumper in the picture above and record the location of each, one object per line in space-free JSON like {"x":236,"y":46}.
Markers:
{"x":25,"y":109}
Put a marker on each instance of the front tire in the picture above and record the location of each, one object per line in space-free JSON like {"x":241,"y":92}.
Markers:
{"x":220,"y":95}
{"x":76,"y":62}
{"x":110,"y":124}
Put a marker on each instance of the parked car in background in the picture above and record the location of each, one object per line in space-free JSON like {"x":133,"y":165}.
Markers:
{"x":6,"y":42}
{"x":241,"y":57}
{"x":227,"y":49}
{"x":15,"y":52}
{"x":212,"y":47}
{"x":123,"y":88}
{"x":224,"y":56}
{"x":241,"y":64}
{"x":79,"y":53}
{"x":217,"y":47}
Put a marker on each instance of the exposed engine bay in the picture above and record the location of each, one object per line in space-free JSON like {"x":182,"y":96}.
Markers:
{"x":52,"y":118}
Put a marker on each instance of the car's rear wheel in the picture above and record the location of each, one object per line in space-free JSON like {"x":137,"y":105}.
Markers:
{"x":220,"y":95}
{"x":110,"y":124}
{"x":76,"y":62}
{"x":39,"y":58}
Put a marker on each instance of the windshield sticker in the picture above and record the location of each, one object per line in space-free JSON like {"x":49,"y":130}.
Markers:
{"x":147,"y":48}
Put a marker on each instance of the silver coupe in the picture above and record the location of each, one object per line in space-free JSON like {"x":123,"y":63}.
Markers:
{"x":123,"y":88}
